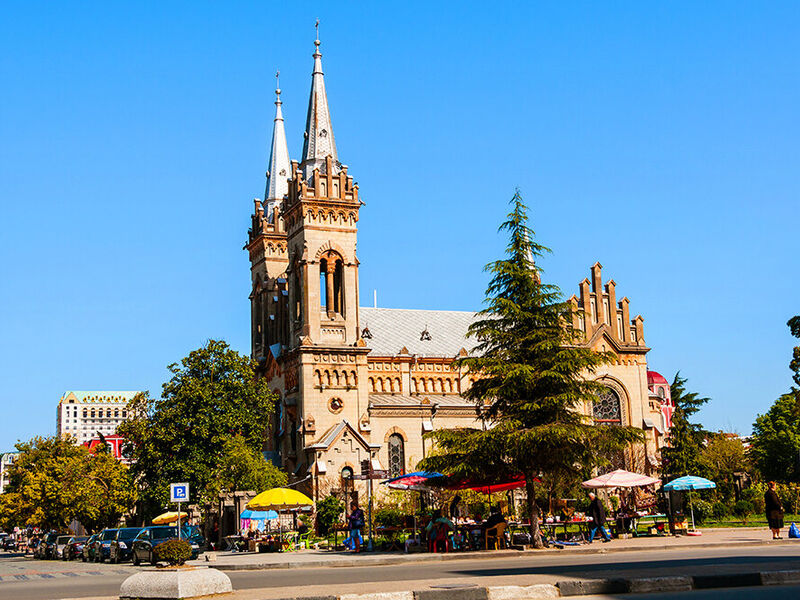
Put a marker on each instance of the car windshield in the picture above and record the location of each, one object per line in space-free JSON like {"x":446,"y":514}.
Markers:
{"x":79,"y":539}
{"x":128,"y":533}
{"x":162,"y":533}
{"x":63,"y":539}
{"x":109,"y":534}
{"x":51,"y":537}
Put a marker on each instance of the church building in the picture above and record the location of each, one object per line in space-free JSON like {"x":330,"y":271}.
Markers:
{"x":359,"y":383}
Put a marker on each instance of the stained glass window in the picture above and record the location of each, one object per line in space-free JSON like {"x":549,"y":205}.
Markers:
{"x":397,"y":459}
{"x":607,"y":408}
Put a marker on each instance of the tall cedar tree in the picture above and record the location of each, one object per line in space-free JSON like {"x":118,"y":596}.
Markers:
{"x":535,"y":378}
{"x":775,"y":446}
{"x":212,"y":398}
{"x":682,"y":456}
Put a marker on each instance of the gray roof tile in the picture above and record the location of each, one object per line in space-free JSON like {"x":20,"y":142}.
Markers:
{"x":395,"y":328}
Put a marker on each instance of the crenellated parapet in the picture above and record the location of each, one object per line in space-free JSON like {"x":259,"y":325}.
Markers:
{"x":327,"y":199}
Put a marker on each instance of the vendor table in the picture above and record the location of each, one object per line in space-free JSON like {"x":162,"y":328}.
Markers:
{"x":637,"y":520}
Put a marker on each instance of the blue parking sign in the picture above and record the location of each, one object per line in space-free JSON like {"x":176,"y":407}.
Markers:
{"x":178,"y":492}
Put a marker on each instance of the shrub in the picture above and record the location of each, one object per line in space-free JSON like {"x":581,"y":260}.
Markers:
{"x":743,"y":508}
{"x":755,"y":496}
{"x":702,"y":510}
{"x":173,"y":552}
{"x":389,"y":516}
{"x":719,"y":511}
{"x":328,"y":512}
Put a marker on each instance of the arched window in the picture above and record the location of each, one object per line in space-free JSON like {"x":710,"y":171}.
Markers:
{"x":397,"y":455}
{"x":331,"y":278}
{"x":607,"y":408}
{"x":85,"y":413}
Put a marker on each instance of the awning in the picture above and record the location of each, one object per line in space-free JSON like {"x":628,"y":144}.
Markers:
{"x":376,"y":465}
{"x":427,"y":426}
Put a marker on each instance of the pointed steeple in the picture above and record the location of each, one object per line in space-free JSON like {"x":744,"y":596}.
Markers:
{"x":279,"y":166}
{"x":318,"y":143}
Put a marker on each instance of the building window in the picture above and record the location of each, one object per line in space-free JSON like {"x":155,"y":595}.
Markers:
{"x":593,"y":304}
{"x":397,"y":455}
{"x":607,"y":315}
{"x":607,"y":408}
{"x":620,"y":328}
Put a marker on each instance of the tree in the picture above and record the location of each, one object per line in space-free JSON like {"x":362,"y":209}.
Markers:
{"x":243,"y":468}
{"x":54,"y":481}
{"x":775,"y":445}
{"x":682,"y":456}
{"x":213,"y":397}
{"x":535,"y":378}
{"x":720,"y":459}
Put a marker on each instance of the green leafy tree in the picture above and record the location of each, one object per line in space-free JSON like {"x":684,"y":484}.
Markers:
{"x":535,"y":380}
{"x":682,"y":456}
{"x":244,"y":468}
{"x":54,"y":481}
{"x":775,"y":445}
{"x":720,"y":459}
{"x":213,"y":397}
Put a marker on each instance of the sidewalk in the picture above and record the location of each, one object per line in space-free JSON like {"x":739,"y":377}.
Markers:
{"x":726,"y":538}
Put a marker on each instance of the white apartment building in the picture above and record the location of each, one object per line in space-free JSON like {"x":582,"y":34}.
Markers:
{"x":85,"y":414}
{"x":6,"y":460}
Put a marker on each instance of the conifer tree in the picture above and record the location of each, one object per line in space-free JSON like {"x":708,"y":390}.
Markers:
{"x":534,"y":377}
{"x":682,"y":456}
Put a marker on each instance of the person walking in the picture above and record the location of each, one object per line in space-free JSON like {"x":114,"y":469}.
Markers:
{"x":355,"y":523}
{"x":774,"y":510}
{"x":597,"y":512}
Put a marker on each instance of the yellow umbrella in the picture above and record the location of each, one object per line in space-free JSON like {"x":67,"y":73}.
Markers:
{"x":279,"y":499}
{"x":169,"y":517}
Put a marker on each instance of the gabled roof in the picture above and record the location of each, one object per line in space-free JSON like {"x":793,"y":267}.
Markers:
{"x":333,"y":434}
{"x":392,"y":329}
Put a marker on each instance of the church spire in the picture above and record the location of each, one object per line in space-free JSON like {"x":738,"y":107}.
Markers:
{"x":279,"y":167}
{"x":318,"y":143}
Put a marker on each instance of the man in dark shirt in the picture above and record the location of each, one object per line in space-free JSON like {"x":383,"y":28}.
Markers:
{"x":597,"y":512}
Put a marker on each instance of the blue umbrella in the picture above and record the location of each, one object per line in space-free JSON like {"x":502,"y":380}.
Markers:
{"x":258,"y":515}
{"x":688,"y":483}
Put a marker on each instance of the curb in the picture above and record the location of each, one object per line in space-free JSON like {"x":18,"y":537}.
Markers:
{"x":368,"y":561}
{"x":582,"y":587}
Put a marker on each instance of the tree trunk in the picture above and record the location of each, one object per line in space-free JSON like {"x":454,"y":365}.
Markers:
{"x":533,"y":513}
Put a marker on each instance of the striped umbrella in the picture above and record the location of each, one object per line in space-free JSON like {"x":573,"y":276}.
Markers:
{"x":689,"y":483}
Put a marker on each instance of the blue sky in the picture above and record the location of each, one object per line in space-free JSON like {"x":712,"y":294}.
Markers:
{"x":661,"y":141}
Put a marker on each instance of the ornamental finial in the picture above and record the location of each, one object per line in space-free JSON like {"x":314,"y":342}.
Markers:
{"x":278,"y":85}
{"x":316,"y":27}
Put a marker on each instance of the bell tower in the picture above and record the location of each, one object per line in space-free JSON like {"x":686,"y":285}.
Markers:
{"x":267,"y":246}
{"x":321,"y":216}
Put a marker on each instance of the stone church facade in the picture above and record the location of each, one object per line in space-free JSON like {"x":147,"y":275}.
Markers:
{"x":361,"y":383}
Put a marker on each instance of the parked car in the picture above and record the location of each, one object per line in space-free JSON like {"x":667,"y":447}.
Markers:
{"x":103,"y":545}
{"x":74,"y":547}
{"x":149,"y":538}
{"x":87,"y":554}
{"x":121,"y":545}
{"x":10,"y":544}
{"x":46,"y":547}
{"x":61,"y":543}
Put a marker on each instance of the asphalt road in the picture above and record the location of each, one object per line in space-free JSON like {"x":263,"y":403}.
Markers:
{"x":527,"y":568}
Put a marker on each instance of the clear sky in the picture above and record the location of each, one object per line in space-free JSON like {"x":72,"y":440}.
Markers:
{"x":661,"y":141}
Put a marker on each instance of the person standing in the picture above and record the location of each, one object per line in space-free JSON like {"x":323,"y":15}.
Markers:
{"x":774,"y":510}
{"x":598,"y":514}
{"x":356,"y":523}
